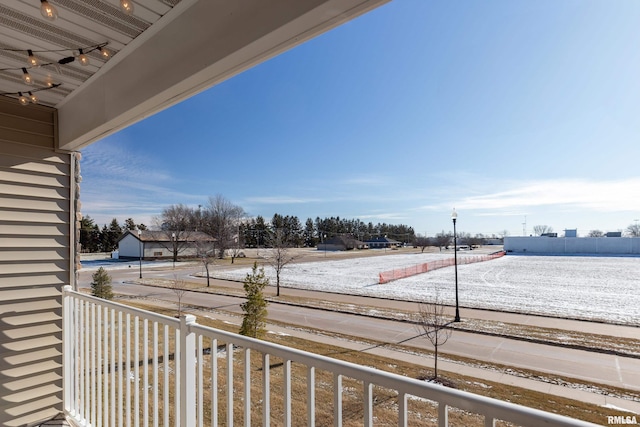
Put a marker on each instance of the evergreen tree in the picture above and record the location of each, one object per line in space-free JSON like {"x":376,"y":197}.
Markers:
{"x":309,"y":233}
{"x":255,"y":308}
{"x":89,"y":235}
{"x":130,"y":224}
{"x":101,"y":284}
{"x":110,"y":235}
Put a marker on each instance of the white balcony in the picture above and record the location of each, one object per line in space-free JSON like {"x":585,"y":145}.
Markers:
{"x":129,"y":367}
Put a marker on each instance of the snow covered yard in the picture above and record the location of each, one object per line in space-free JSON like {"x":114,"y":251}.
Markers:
{"x":597,"y":288}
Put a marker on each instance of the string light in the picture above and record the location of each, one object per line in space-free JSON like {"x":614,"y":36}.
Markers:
{"x":26,"y":76}
{"x":82,"y":58}
{"x":33,"y":61}
{"x":48,"y":12}
{"x":126,"y":6}
{"x":23,"y":99}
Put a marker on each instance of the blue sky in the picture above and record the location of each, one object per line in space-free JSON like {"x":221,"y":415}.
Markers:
{"x":509,"y":111}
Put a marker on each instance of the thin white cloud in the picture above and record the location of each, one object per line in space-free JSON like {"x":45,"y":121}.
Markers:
{"x":566,"y":194}
{"x":606,"y":196}
{"x":108,"y":160}
{"x":383,"y":216}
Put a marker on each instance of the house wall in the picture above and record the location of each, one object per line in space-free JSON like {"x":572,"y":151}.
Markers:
{"x":36,"y":260}
{"x":573,"y":245}
{"x":330,"y":247}
{"x":129,"y":247}
{"x":156,"y":250}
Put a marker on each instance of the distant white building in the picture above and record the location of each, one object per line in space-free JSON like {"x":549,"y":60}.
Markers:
{"x":159,"y":244}
{"x":573,"y":245}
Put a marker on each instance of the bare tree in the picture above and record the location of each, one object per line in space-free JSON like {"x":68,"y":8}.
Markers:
{"x":539,"y":230}
{"x":443,"y":239}
{"x":221,"y":219}
{"x":476,"y":241}
{"x":206,"y":253}
{"x":422,"y":242}
{"x":236,"y":250}
{"x":279,"y":256}
{"x":179,"y":288}
{"x":433,"y":324}
{"x":596,"y":233}
{"x":633,"y":230}
{"x":176,"y":223}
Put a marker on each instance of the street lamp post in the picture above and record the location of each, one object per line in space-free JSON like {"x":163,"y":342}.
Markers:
{"x":325,"y":246}
{"x":140,"y":249}
{"x":454,"y":217}
{"x":174,"y":243}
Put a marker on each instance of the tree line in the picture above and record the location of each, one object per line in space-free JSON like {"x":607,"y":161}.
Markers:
{"x":231,"y":228}
{"x":105,"y":239}
{"x":256,"y":232}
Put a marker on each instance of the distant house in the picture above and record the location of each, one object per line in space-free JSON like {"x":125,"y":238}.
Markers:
{"x":341,"y":243}
{"x":383,"y":242}
{"x":158,"y":244}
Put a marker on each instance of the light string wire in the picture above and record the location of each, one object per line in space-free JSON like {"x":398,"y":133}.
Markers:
{"x":83,"y":50}
{"x":32,"y":90}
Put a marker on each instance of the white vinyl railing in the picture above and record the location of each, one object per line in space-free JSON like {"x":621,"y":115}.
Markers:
{"x":129,"y":367}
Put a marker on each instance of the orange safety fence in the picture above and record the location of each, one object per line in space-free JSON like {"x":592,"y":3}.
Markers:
{"x":401,"y":273}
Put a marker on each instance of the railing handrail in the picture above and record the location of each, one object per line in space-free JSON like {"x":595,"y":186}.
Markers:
{"x":489,"y":407}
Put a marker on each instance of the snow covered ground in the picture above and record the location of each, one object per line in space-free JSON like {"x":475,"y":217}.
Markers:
{"x":598,"y":288}
{"x":120,"y":264}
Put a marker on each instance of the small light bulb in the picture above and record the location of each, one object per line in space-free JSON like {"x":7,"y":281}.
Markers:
{"x":26,"y":76}
{"x":48,"y":81}
{"x":23,"y":99}
{"x":33,"y":98}
{"x":33,"y":61}
{"x":82,"y":58}
{"x":126,"y":6}
{"x":105,"y":53}
{"x":49,"y":12}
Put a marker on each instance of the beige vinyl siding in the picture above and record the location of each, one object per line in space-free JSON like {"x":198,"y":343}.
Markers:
{"x":35,"y":259}
{"x":33,"y":125}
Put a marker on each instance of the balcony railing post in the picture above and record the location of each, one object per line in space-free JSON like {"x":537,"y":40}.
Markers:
{"x":187,"y":371}
{"x":67,"y":333}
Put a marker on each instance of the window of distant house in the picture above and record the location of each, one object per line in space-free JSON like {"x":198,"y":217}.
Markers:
{"x":157,"y":254}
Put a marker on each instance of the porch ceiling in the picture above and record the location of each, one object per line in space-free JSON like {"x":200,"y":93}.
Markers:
{"x":166,"y":51}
